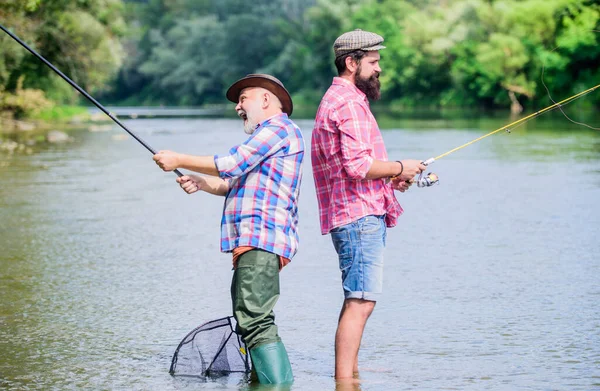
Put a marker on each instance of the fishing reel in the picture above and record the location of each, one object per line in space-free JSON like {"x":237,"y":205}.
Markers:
{"x":429,"y":179}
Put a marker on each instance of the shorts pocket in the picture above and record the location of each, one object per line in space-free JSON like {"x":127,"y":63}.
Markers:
{"x":343,"y":247}
{"x":371,"y":225}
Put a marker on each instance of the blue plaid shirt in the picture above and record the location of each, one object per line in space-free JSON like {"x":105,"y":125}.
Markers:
{"x":264,"y":174}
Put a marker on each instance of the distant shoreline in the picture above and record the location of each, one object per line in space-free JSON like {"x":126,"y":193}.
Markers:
{"x":76,"y":116}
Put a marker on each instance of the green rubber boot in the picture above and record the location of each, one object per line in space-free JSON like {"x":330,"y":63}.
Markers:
{"x":271,"y":363}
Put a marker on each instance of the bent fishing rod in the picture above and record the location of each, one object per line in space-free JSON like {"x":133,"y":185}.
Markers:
{"x":431,"y":179}
{"x":83,"y":92}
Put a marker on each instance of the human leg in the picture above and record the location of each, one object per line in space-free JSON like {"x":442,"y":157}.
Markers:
{"x":254,"y":293}
{"x":360,"y":248}
{"x":355,"y":369}
{"x":349,"y":334}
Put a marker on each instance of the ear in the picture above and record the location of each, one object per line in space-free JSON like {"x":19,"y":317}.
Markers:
{"x":266,"y":100}
{"x":351,"y":65}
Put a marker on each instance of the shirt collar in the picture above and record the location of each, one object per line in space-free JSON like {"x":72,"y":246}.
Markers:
{"x":340,"y":81}
{"x":266,"y":121}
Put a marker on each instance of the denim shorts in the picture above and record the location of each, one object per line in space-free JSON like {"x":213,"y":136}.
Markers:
{"x":360,"y":246}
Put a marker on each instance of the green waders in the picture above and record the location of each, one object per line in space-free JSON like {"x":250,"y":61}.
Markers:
{"x":254,"y":293}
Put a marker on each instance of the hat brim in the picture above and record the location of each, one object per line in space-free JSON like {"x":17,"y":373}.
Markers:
{"x":233,"y":93}
{"x":372,"y":48}
{"x":367,"y":49}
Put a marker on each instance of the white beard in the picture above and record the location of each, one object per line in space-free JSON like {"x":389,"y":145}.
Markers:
{"x":249,"y":126}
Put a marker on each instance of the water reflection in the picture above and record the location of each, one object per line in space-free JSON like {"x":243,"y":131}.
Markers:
{"x":491,"y":276}
{"x":348,"y":385}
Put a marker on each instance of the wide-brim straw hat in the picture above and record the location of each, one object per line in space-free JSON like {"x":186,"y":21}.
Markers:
{"x":265,"y":81}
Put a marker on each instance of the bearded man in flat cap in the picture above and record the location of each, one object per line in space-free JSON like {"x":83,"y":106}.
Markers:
{"x":260,"y":180}
{"x":355,"y":194}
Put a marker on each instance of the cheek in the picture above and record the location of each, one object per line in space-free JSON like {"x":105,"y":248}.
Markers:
{"x":250,"y":110}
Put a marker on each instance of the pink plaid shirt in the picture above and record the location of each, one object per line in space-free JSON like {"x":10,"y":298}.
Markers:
{"x":345,"y":141}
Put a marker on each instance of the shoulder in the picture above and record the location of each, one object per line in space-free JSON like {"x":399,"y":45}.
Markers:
{"x":351,"y":109}
{"x":339,"y":96}
{"x":283,"y":127}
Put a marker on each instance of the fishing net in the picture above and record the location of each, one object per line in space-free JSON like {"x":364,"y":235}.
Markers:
{"x":213,"y":348}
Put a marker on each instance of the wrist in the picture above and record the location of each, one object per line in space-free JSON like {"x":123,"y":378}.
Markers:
{"x":401,"y":169}
{"x":200,"y":182}
{"x":180,"y":160}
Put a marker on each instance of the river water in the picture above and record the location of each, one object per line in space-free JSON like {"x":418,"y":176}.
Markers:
{"x":492,"y":277}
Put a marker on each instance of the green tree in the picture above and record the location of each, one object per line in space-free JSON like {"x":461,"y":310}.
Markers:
{"x":188,"y":53}
{"x":80,"y":37}
{"x":485,"y":53}
{"x":480,"y":53}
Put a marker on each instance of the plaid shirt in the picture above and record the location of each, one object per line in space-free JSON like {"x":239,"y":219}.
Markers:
{"x":345,"y":141}
{"x":264,"y":174}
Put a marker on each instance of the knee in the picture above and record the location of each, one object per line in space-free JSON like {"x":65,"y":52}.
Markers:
{"x":360,"y":308}
{"x":256,"y":330}
{"x":367,"y":309}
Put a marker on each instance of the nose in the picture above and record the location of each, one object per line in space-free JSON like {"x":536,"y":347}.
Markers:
{"x":377,"y":68}
{"x":238,"y":106}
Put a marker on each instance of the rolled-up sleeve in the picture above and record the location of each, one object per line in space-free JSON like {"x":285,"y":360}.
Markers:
{"x":244,"y":157}
{"x":353,"y":122}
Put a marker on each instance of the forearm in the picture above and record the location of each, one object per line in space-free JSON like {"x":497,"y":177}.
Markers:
{"x":212,"y":185}
{"x":383,"y":169}
{"x":202,"y":164}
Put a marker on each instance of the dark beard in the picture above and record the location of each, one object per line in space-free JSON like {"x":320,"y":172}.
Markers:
{"x":370,"y":86}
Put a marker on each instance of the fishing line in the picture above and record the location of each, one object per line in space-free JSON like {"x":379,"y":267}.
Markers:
{"x":83,"y":92}
{"x":552,"y":100}
{"x":520,"y":121}
{"x":430,"y":178}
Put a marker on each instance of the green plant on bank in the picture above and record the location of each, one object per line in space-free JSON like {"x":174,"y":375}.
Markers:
{"x":80,"y":37}
{"x":62,"y":113}
{"x":24,"y":102}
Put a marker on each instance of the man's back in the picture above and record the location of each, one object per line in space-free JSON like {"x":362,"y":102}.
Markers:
{"x":345,"y":141}
{"x":261,"y":207}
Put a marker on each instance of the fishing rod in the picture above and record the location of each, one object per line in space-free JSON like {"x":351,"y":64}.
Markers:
{"x":83,"y":92}
{"x":431,"y":179}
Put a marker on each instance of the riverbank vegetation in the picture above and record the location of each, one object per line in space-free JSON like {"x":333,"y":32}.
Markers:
{"x":440,"y":53}
{"x":81,"y":38}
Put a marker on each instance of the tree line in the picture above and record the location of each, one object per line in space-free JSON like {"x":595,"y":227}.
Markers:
{"x":440,"y":53}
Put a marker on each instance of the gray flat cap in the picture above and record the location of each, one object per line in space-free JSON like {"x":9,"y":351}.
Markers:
{"x":357,"y":40}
